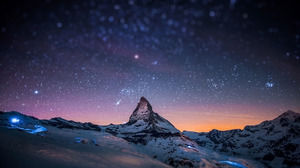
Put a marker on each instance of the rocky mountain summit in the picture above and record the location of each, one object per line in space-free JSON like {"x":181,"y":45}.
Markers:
{"x":144,"y":121}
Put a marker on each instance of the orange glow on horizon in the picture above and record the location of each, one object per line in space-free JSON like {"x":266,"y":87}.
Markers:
{"x":222,"y":117}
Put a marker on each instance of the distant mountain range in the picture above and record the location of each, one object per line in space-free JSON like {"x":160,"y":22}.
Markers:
{"x":272,"y":143}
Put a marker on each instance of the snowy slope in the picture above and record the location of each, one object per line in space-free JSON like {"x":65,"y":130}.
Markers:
{"x":275,"y":143}
{"x":65,"y":147}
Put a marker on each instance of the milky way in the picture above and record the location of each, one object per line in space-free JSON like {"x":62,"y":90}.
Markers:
{"x":200,"y":64}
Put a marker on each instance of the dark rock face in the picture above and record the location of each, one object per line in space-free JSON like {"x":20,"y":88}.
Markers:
{"x":180,"y":163}
{"x":268,"y":157}
{"x":142,"y":111}
{"x":297,"y":120}
{"x":284,"y":122}
{"x":248,"y":144}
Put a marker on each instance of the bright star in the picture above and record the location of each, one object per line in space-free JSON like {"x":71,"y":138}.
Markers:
{"x":136,"y":56}
{"x":36,"y":92}
{"x":118,"y":102}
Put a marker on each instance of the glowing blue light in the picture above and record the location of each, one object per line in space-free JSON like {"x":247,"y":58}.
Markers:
{"x":234,"y":164}
{"x":78,"y":139}
{"x":15,"y":120}
{"x":36,"y":92}
{"x":189,"y":146}
{"x":38,"y":129}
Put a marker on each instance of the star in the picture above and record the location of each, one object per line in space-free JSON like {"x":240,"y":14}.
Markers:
{"x":118,"y":102}
{"x":136,"y":56}
{"x":154,"y":62}
{"x":36,"y":92}
{"x":269,"y":84}
{"x":59,"y":24}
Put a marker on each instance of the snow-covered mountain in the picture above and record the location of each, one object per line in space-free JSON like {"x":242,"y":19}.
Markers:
{"x":146,"y":140}
{"x":144,"y":121}
{"x":158,"y":138}
{"x":143,"y":115}
{"x":275,"y":143}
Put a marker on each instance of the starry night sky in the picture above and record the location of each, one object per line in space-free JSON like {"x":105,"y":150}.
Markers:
{"x":201,"y":64}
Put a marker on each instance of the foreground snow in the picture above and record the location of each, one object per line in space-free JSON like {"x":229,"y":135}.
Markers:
{"x":60,"y":148}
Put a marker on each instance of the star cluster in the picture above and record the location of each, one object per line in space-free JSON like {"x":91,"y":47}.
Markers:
{"x":198,"y":62}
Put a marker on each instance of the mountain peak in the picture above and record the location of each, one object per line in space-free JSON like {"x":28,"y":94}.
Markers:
{"x":144,"y":104}
{"x":142,"y":111}
{"x":288,"y":114}
{"x":144,"y":119}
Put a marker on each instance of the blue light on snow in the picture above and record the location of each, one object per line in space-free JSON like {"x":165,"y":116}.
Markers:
{"x":38,"y":129}
{"x":77,"y":139}
{"x":15,"y":120}
{"x":234,"y":164}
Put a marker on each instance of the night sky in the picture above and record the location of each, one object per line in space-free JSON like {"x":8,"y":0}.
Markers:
{"x":201,"y":64}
